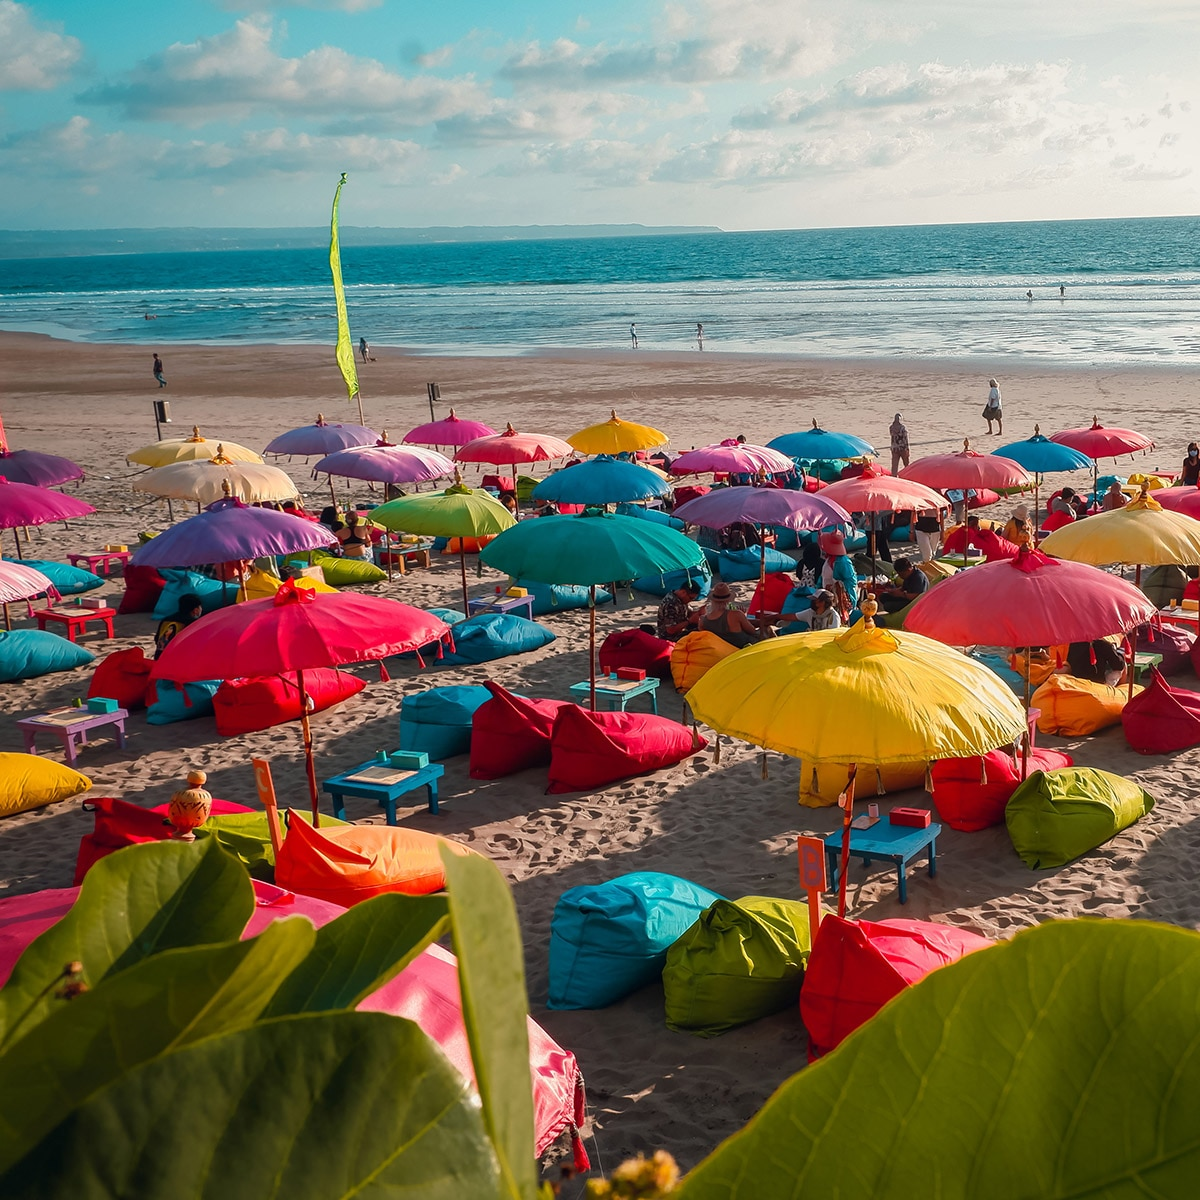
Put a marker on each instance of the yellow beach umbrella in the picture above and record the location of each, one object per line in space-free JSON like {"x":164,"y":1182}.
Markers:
{"x":203,"y":481}
{"x":615,"y":436}
{"x":1143,"y":533}
{"x":190,"y":449}
{"x":859,"y":696}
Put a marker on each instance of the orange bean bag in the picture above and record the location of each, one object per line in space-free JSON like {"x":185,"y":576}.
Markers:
{"x":469,"y":545}
{"x":821,"y":786}
{"x":1074,"y":707}
{"x":346,"y":864}
{"x":694,"y":654}
{"x":1040,"y":671}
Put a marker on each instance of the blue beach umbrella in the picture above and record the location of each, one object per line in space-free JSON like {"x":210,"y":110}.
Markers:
{"x":821,"y":445}
{"x":1040,"y":456}
{"x":601,"y":480}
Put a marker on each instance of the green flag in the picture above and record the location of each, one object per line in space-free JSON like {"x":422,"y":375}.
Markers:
{"x":345,"y":348}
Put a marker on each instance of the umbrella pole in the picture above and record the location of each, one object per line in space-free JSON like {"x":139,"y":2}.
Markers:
{"x":1025,"y":745}
{"x":592,"y":645}
{"x":847,"y":817}
{"x":762,"y":572}
{"x":7,"y":616}
{"x":462,"y":563}
{"x":332,"y":494}
{"x":310,"y":767}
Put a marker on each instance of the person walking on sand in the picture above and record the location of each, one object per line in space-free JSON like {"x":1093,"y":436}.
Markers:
{"x":363,"y":348}
{"x":699,"y":336}
{"x":899,"y":432}
{"x":633,"y":333}
{"x":992,"y":411}
{"x":158,"y":372}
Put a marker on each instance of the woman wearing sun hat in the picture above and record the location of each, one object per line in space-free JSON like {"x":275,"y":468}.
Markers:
{"x":728,"y":623}
{"x":837,"y":563}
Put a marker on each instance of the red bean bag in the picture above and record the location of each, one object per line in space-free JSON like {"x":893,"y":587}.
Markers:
{"x":247,"y":705}
{"x":691,"y":491}
{"x":120,"y":824}
{"x":1056,"y":521}
{"x":637,"y":648}
{"x":510,"y":733}
{"x":778,"y":588}
{"x":123,"y":676}
{"x":591,"y":750}
{"x":1173,"y":642}
{"x":143,"y":585}
{"x":856,"y":967}
{"x":1162,"y":719}
{"x":970,"y":793}
{"x":982,"y":498}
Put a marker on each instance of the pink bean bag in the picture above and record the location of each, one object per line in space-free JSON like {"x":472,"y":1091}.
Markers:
{"x":247,"y":705}
{"x":637,"y":648}
{"x":1173,"y":642}
{"x":123,"y":676}
{"x":510,"y":733}
{"x":1162,"y":719}
{"x":970,"y":793}
{"x":856,"y":967}
{"x":591,"y":750}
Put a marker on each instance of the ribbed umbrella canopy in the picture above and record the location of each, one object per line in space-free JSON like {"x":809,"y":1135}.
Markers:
{"x":873,"y":491}
{"x":205,"y":480}
{"x":190,"y":449}
{"x":1043,"y":456}
{"x":615,"y":436}
{"x":967,"y":469}
{"x":1184,"y":500}
{"x":821,"y":445}
{"x":602,"y":480}
{"x":19,"y":582}
{"x":1142,"y":533}
{"x":763,"y":506}
{"x":510,"y":447}
{"x":23,"y":504}
{"x":386,"y":463}
{"x":321,"y":438}
{"x":1098,"y":441}
{"x":449,"y":431}
{"x":734,"y":457}
{"x":37,"y":468}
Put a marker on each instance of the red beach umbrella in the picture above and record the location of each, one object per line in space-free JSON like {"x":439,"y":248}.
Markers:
{"x":510,"y":447}
{"x":1097,"y":441}
{"x":450,"y":431}
{"x":1184,"y":500}
{"x":967,"y":469}
{"x":877,"y":491}
{"x":22,"y":504}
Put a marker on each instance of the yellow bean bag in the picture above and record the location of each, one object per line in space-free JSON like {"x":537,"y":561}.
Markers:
{"x":27,"y":781}
{"x":935,"y":572}
{"x":1074,"y":707}
{"x":821,"y":786}
{"x":260,"y":585}
{"x":694,"y":654}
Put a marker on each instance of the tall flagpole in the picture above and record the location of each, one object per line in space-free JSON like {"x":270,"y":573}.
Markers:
{"x":345,"y":348}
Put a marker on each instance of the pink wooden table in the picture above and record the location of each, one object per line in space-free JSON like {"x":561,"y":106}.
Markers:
{"x":101,"y":558}
{"x":71,"y":726}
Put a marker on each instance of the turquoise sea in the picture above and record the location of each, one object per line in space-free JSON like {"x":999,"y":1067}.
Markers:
{"x":922,"y":292}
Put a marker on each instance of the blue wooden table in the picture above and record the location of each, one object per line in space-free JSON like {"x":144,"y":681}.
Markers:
{"x":898,"y":844}
{"x":612,"y":695}
{"x":383,"y":792}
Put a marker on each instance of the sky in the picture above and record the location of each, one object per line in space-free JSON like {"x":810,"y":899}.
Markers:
{"x":746,"y":114}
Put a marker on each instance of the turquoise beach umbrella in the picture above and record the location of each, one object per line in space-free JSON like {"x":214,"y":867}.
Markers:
{"x":601,"y":480}
{"x":821,"y":445}
{"x":1041,"y":456}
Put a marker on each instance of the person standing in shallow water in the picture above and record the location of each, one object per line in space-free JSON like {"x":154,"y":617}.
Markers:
{"x":993,"y":410}
{"x":699,"y":336}
{"x":633,"y":333}
{"x":158,"y":372}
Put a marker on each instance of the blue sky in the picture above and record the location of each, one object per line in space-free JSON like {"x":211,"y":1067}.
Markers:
{"x":746,"y":114}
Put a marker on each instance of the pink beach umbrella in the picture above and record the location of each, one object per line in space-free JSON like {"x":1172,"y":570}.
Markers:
{"x":19,"y":582}
{"x":1184,"y":500}
{"x":732,"y":457}
{"x":450,"y":431}
{"x":967,"y":469}
{"x":22,"y":505}
{"x":509,"y":448}
{"x":1097,"y":441}
{"x":321,"y":438}
{"x":36,"y":468}
{"x":386,"y":462}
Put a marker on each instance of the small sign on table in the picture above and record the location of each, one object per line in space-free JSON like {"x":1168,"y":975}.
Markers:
{"x":812,"y":879}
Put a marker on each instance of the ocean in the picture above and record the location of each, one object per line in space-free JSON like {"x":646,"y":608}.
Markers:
{"x":932,"y":292}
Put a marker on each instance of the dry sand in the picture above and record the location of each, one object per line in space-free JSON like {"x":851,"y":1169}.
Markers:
{"x":718,"y":824}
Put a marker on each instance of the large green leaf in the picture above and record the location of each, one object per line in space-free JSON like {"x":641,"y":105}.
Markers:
{"x":1065,"y":1063}
{"x":132,"y":904}
{"x":158,"y":1005}
{"x":315,"y":1107}
{"x":360,"y":951}
{"x":491,"y":974}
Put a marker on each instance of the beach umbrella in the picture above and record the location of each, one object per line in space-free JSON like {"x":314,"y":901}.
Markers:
{"x":458,"y":512}
{"x":862,"y":696}
{"x":450,"y":431}
{"x":509,"y":448}
{"x":732,"y":457}
{"x":321,"y":438}
{"x":1184,"y":500}
{"x":615,"y":436}
{"x":19,"y":582}
{"x":297,"y":630}
{"x":204,"y":480}
{"x":592,"y":548}
{"x":1040,"y":456}
{"x":602,"y":480}
{"x":967,"y":469}
{"x":1097,"y":442}
{"x":385,"y":463}
{"x":190,"y":449}
{"x":821,"y":445}
{"x":22,"y":505}
{"x":36,"y":468}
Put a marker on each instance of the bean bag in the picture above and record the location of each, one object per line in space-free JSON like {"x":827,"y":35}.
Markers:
{"x":970,"y":793}
{"x":690,"y":491}
{"x":346,"y":864}
{"x":636,"y":648}
{"x":261,"y":584}
{"x":1055,"y":521}
{"x":345,"y":572}
{"x":560,"y":597}
{"x":247,"y":705}
{"x":741,"y":960}
{"x":1054,"y":818}
{"x":30,"y":781}
{"x":740,"y":566}
{"x":1162,"y":719}
{"x":212,"y":593}
{"x":168,"y":702}
{"x":609,"y":939}
{"x":655,"y":515}
{"x":1040,"y":669}
{"x":67,"y":580}
{"x":143,"y":586}
{"x":489,"y":636}
{"x":450,"y":615}
{"x":1164,"y":583}
{"x":438,"y":721}
{"x":856,"y":967}
{"x":510,"y":733}
{"x":693,"y":656}
{"x":469,"y":545}
{"x":999,"y":666}
{"x":591,"y":750}
{"x":821,"y":786}
{"x":778,"y":589}
{"x":30,"y":653}
{"x":123,"y":676}
{"x":1076,"y":707}
{"x":660,"y":585}
{"x":983,"y":498}
{"x":1173,"y":642}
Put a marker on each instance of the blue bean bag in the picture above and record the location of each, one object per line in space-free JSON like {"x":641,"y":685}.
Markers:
{"x":900,"y":533}
{"x":657,"y":516}
{"x":67,"y":579}
{"x":171,"y":702}
{"x":994,"y":662}
{"x":212,"y":592}
{"x":610,"y":939}
{"x":489,"y":636}
{"x":660,"y":585}
{"x":740,"y":566}
{"x":786,"y":539}
{"x":450,"y":615}
{"x":438,"y":721}
{"x":560,"y":597}
{"x":28,"y":653}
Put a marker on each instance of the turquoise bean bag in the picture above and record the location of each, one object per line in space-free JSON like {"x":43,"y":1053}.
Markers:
{"x":173,"y":702}
{"x":994,"y":662}
{"x":30,"y":653}
{"x":741,"y":566}
{"x":450,"y":615}
{"x":437,"y":722}
{"x":660,"y":585}
{"x":69,"y":581}
{"x":489,"y":636}
{"x":657,"y":516}
{"x":559,"y":597}
{"x":213,"y":593}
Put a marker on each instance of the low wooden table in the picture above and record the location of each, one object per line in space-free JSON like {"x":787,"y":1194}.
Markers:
{"x":501,"y":604}
{"x":70,"y":725}
{"x":1188,"y":618}
{"x":401,"y":555}
{"x":612,"y":695}
{"x":897,"y":844}
{"x":1142,"y":662}
{"x":384,"y":784}
{"x":100,"y":558}
{"x":76,"y":618}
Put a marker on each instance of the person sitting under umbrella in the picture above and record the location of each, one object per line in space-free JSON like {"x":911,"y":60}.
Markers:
{"x":675,"y":618}
{"x":1017,"y":524}
{"x":910,"y":584}
{"x":190,"y":609}
{"x":821,"y":614}
{"x":1114,"y":498}
{"x":1100,"y":661}
{"x":728,"y":623}
{"x":354,"y":537}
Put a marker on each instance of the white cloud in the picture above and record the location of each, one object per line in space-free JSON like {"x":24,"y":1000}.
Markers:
{"x":32,"y":57}
{"x":595,"y":161}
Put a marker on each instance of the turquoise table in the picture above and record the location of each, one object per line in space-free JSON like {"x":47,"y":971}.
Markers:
{"x":897,"y":844}
{"x":382,"y":789}
{"x":612,"y":695}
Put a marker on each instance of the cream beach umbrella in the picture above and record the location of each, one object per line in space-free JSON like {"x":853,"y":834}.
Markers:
{"x":190,"y":449}
{"x":203,"y":481}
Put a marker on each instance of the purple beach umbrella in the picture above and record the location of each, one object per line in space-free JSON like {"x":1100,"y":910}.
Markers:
{"x":38,"y":469}
{"x":386,"y":463}
{"x":321,"y":438}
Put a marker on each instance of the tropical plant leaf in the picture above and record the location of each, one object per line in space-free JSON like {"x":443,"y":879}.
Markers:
{"x":311,"y":1107}
{"x":158,"y":1005}
{"x":132,"y":904}
{"x":1064,"y":1063}
{"x":491,"y":974}
{"x":360,"y":951}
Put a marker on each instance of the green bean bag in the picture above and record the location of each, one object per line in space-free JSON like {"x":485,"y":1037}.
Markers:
{"x":743,"y":959}
{"x":1055,"y":817}
{"x":340,"y":572}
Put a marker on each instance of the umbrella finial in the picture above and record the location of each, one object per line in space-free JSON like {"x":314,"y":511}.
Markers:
{"x":219,"y":458}
{"x":869,"y":608}
{"x":509,"y":431}
{"x":195,"y":434}
{"x":966,"y":445}
{"x":383,"y":439}
{"x":1037,"y":431}
{"x":1096,"y":422}
{"x":452,"y":417}
{"x":612,"y":415}
{"x":815,"y":425}
{"x":320,"y":419}
{"x":190,"y":807}
{"x":225,"y":488}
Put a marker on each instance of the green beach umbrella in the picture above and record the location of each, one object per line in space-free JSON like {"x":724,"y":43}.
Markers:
{"x":458,"y":512}
{"x":592,"y":548}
